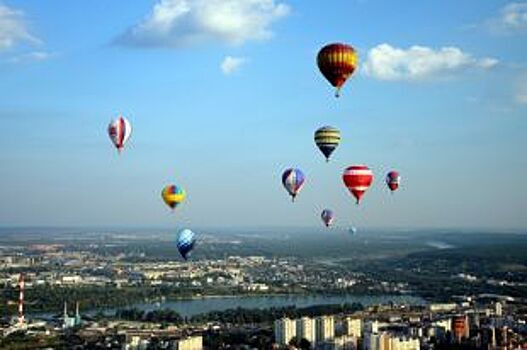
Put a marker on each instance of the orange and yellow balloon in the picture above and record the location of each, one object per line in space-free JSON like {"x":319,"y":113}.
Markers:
{"x":173,"y":195}
{"x":337,"y":62}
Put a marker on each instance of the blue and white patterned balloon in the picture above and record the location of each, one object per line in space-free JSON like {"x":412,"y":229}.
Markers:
{"x":186,"y":239}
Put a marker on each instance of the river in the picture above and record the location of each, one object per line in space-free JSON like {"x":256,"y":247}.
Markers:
{"x":204,"y":305}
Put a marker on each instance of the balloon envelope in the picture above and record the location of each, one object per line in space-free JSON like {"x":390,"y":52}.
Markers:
{"x":327,"y":139}
{"x":358,"y":179}
{"x":337,"y":62}
{"x":186,"y":240}
{"x":173,"y":195}
{"x":293,"y":180}
{"x":393,"y":179}
{"x":119,"y":131}
{"x":327,"y":216}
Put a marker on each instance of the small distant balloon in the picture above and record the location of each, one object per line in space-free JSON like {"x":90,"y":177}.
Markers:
{"x":337,"y":62}
{"x":358,"y":179}
{"x":293,"y":181}
{"x":186,"y":240}
{"x":119,"y":131}
{"x":173,"y":195}
{"x":327,"y":139}
{"x":352,"y":230}
{"x":393,"y":179}
{"x":327,"y":216}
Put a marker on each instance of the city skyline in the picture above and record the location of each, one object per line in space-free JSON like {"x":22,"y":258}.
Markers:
{"x":222,"y":104}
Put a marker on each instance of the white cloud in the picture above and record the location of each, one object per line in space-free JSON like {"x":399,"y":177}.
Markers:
{"x":13,"y":28}
{"x":177,"y":23}
{"x":386,"y":62}
{"x":34,"y":56}
{"x":231,"y":64}
{"x":512,"y":18}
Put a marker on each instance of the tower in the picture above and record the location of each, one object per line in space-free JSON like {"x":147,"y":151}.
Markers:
{"x":21,"y":285}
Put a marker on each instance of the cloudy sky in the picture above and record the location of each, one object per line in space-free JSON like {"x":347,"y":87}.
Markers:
{"x":225,"y":94}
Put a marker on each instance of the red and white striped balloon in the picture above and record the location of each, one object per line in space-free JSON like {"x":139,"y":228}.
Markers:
{"x":358,"y":179}
{"x":119,"y":131}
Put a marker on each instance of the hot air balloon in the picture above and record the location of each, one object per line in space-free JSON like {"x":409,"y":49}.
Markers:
{"x":393,"y":180}
{"x":352,"y":230}
{"x":327,"y":216}
{"x":327,"y":139}
{"x":186,"y":240}
{"x":357,"y":179}
{"x":293,"y":180}
{"x":119,"y":131}
{"x":173,"y":195}
{"x":337,"y":62}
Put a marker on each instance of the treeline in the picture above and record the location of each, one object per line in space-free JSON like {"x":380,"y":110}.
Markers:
{"x":238,"y":316}
{"x":51,"y":298}
{"x":161,"y":316}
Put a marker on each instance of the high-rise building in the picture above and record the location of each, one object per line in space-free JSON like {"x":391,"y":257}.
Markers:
{"x":385,"y":341}
{"x":371,"y":327}
{"x":284,"y":330}
{"x":405,"y":344}
{"x":324,"y":328}
{"x":345,"y":342}
{"x":353,"y":326}
{"x":460,"y":327}
{"x":305,"y":328}
{"x":498,"y":309}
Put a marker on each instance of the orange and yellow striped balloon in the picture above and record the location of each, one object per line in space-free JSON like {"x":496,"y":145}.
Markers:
{"x":337,"y":62}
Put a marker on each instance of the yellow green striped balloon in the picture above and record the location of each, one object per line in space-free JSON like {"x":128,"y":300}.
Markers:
{"x":327,"y":139}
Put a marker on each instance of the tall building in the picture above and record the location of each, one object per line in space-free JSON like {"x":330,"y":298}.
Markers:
{"x":305,"y":328}
{"x":371,"y":341}
{"x":345,"y":342}
{"x":190,"y":343}
{"x":371,"y":326}
{"x":353,"y":326}
{"x":284,"y":330}
{"x":498,"y":309}
{"x":460,"y":327}
{"x":387,"y":341}
{"x":324,"y":328}
{"x":405,"y":344}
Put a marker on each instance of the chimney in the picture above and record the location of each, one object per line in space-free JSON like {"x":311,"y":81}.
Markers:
{"x":21,"y":285}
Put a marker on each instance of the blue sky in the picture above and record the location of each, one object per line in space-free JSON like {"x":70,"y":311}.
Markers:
{"x":441,"y":96}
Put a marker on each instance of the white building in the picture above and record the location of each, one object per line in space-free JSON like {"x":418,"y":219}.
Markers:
{"x":353,"y":326}
{"x":324,"y":328}
{"x":386,"y":341}
{"x":405,"y":344}
{"x":498,"y":309}
{"x":442,"y":307}
{"x":345,"y":342}
{"x":305,"y":328}
{"x":284,"y":330}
